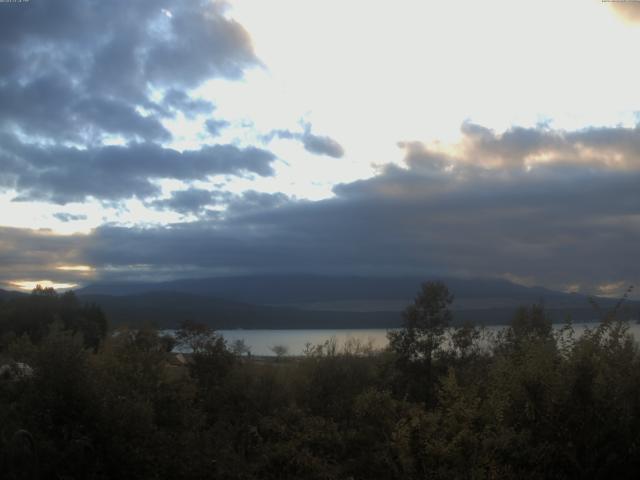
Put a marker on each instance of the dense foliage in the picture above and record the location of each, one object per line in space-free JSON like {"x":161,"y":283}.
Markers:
{"x":531,"y":402}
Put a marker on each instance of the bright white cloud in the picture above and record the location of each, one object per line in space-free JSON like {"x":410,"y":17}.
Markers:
{"x":378,"y":72}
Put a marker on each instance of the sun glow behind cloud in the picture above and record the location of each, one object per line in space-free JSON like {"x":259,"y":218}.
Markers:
{"x":371,"y":74}
{"x":28,"y":285}
{"x":375,"y":71}
{"x":75,"y":268}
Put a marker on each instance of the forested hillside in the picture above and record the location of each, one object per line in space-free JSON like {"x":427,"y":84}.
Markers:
{"x":77,"y":403}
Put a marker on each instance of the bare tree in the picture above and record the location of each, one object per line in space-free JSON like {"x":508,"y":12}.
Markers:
{"x":279,"y":350}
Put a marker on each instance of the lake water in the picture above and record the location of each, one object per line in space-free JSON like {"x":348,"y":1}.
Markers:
{"x":261,"y":341}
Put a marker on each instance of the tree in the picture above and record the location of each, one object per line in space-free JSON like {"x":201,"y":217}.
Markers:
{"x":464,"y":339}
{"x":529,"y":324}
{"x":33,"y":315}
{"x":195,"y":336}
{"x":240,"y":348}
{"x":424,"y":324}
{"x":211,"y":360}
{"x":279,"y":350}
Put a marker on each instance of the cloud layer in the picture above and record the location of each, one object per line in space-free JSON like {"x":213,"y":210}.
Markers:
{"x":78,"y":76}
{"x":88,"y":89}
{"x":78,"y":70}
{"x":68,"y":174}
{"x":487,"y":210}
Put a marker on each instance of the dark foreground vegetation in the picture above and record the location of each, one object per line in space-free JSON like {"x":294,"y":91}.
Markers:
{"x":79,"y":403}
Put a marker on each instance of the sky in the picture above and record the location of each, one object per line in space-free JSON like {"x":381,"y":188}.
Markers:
{"x":162,"y":139}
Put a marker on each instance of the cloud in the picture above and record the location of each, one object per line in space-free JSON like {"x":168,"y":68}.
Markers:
{"x":316,"y":144}
{"x":196,"y":200}
{"x":627,"y":10}
{"x":65,"y":174}
{"x":558,"y":222}
{"x":77,"y":70}
{"x":215,"y":126}
{"x":35,"y":255}
{"x":69,"y":217}
{"x":178,"y":100}
{"x":191,"y":201}
{"x":252,"y":201}
{"x":49,"y":107}
{"x":518,"y":148}
{"x":322,"y":145}
{"x":78,"y":74}
{"x":200,"y":43}
{"x":572,"y":220}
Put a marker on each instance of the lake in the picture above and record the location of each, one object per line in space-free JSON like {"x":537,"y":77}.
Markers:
{"x":261,"y":341}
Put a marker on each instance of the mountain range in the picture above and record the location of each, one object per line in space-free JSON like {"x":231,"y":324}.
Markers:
{"x":314,"y":301}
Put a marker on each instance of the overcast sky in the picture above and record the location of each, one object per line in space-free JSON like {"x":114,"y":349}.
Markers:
{"x":159,"y":139}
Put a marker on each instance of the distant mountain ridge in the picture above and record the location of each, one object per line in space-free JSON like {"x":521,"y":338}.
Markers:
{"x":313,"y":301}
{"x":6,"y":294}
{"x":284,"y":289}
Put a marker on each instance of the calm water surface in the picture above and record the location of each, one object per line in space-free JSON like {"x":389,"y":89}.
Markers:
{"x":261,"y":341}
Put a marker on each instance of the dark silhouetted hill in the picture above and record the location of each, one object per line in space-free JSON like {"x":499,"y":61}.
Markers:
{"x":286,"y":289}
{"x":166,"y":309}
{"x":313,"y":301}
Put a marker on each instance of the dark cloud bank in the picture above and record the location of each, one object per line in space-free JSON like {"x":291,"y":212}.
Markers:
{"x":76,"y":73}
{"x":68,"y":174}
{"x":78,"y":69}
{"x":575,"y":219}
